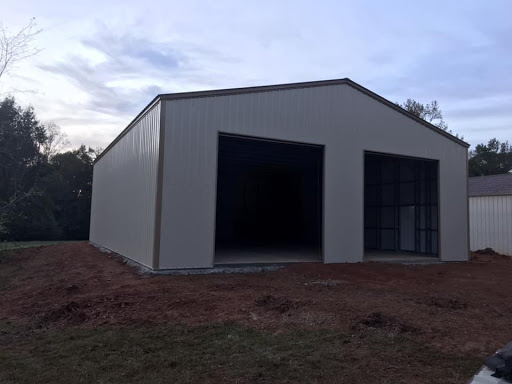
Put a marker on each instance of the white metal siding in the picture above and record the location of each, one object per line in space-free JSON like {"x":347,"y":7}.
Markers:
{"x":124,"y":192}
{"x":344,"y":120}
{"x":491,"y":223}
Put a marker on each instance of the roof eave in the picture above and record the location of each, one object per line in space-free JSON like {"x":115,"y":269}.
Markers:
{"x":407,"y":113}
{"x":146,"y":109}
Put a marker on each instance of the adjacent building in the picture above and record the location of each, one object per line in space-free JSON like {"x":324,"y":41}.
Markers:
{"x":490,"y":210}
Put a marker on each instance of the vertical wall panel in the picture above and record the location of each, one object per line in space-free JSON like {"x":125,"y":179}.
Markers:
{"x":491,"y":223}
{"x":124,"y":192}
{"x":345,"y":121}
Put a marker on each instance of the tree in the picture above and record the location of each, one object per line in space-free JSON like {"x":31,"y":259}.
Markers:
{"x":21,"y":139}
{"x":45,"y":193}
{"x":24,"y":209}
{"x":491,"y":159}
{"x":429,"y":112}
{"x":18,"y":46}
{"x":55,"y":142}
{"x":70,"y":187}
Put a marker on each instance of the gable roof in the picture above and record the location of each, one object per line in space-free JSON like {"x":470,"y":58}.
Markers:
{"x":279,"y":87}
{"x":490,"y":185}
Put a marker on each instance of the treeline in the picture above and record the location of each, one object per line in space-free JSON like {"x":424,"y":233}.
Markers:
{"x":45,"y":194}
{"x":491,"y":159}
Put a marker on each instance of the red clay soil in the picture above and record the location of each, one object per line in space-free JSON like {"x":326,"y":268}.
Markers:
{"x":454,"y":307}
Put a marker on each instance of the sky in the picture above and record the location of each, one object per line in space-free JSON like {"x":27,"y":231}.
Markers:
{"x":102,"y":62}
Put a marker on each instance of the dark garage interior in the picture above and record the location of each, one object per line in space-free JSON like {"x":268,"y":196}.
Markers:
{"x":269,"y":201}
{"x":400,"y":206}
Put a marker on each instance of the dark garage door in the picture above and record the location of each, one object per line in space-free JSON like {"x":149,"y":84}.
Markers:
{"x":269,"y":194}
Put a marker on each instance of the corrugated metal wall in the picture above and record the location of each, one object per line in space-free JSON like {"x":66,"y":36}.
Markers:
{"x":490,"y":219}
{"x":124,"y":192}
{"x":344,"y":120}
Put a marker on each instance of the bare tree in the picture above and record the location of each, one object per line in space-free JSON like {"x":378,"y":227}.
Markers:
{"x":429,"y":112}
{"x":15,"y":47}
{"x":96,"y":152}
{"x":56,"y":140}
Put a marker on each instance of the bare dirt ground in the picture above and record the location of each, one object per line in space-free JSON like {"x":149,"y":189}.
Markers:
{"x":461,"y":308}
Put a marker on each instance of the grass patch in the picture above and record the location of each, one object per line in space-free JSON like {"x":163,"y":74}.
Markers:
{"x":222,"y":353}
{"x":7,"y":245}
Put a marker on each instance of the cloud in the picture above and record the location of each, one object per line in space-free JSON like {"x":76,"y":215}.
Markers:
{"x":126,"y":51}
{"x":113,"y":74}
{"x":95,"y":76}
{"x":120,"y":72}
{"x":125,"y":57}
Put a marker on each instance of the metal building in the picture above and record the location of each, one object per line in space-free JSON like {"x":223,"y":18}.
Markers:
{"x":323,"y":171}
{"x":490,"y":213}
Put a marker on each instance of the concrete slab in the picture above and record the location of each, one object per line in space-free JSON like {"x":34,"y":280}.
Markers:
{"x":265,"y":256}
{"x":235,"y":268}
{"x":399,"y":258}
{"x":219,"y":269}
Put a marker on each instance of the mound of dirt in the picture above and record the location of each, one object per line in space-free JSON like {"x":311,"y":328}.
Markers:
{"x":378,"y":320}
{"x":487,"y":251}
{"x":444,"y":303}
{"x":71,"y":288}
{"x":488,"y":255}
{"x":68,"y":313}
{"x":324,"y":283}
{"x":279,"y":304}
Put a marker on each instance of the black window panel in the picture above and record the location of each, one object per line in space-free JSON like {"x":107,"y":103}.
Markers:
{"x":393,"y":182}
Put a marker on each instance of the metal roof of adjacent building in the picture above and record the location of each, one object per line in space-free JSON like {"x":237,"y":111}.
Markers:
{"x":491,"y":185}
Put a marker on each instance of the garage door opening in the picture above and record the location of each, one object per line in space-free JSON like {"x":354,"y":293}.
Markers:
{"x":269,"y":201}
{"x":400,"y":207}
